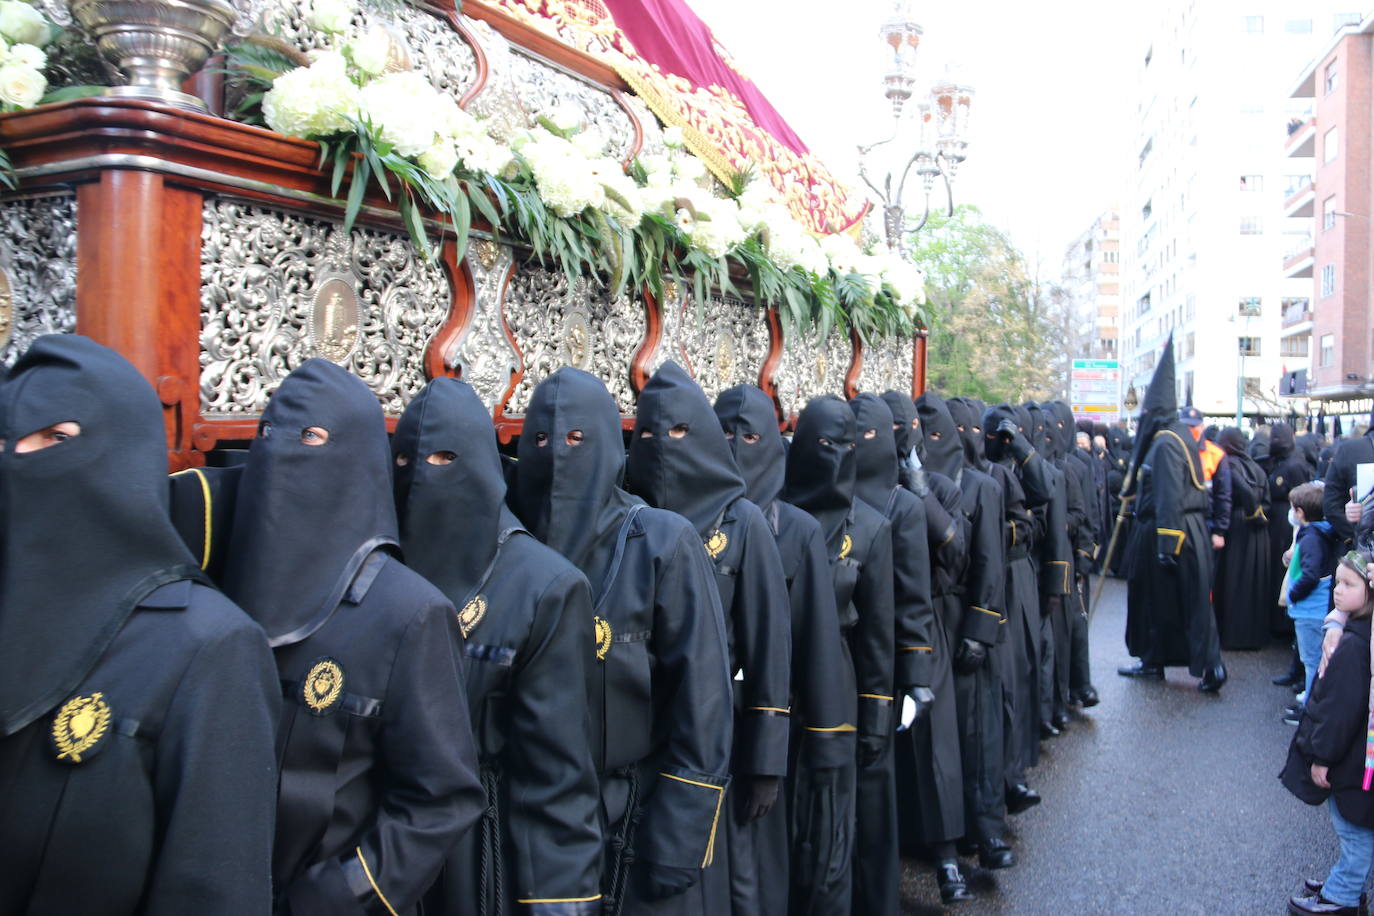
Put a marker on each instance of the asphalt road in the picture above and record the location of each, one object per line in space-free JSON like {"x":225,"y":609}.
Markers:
{"x":1160,"y":800}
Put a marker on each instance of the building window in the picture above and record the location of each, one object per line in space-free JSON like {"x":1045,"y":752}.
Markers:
{"x":1328,"y":350}
{"x":1249,"y":346}
{"x":1292,"y":184}
{"x":1296,"y":310}
{"x":1189,"y":345}
{"x":1251,"y":225}
{"x":1295,"y":346}
{"x":1331,"y":145}
{"x":1252,"y":182}
{"x":1143,"y":305}
{"x":1249,"y":307}
{"x":1329,"y":213}
{"x":1252,"y":25}
{"x":1341,"y":20}
{"x":1328,"y":280}
{"x":1298,"y":26}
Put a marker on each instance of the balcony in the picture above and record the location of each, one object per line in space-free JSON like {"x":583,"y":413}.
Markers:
{"x":1296,"y":312}
{"x":1302,"y":138}
{"x":1301,"y":201}
{"x":1299,"y":258}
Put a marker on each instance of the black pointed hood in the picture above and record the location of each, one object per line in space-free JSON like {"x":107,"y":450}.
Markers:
{"x":451,"y":515}
{"x":1282,"y":442}
{"x":1158,"y":411}
{"x":750,"y":423}
{"x":993,"y":446}
{"x":1061,"y":417}
{"x":1233,"y":441}
{"x":1040,"y":437}
{"x":968,"y":425}
{"x":944,"y":449}
{"x":84,"y":528}
{"x":821,"y":463}
{"x":568,"y":493}
{"x":308,"y":516}
{"x":876,"y":468}
{"x":693,"y":474}
{"x":903,"y":413}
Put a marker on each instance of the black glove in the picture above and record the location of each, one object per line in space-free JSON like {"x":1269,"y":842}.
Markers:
{"x":970,"y":655}
{"x":1168,"y":562}
{"x":759,"y":795}
{"x":1006,"y":430}
{"x":870,"y":749}
{"x":924,"y":698}
{"x":668,"y":880}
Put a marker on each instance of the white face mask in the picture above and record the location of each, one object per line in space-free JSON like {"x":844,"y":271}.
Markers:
{"x":1293,"y":518}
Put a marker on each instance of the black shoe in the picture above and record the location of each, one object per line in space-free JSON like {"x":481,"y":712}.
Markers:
{"x":953,"y":888}
{"x":1317,"y":905}
{"x":1021,"y":798}
{"x":995,"y":853}
{"x":1047,"y":730}
{"x":1294,"y":710}
{"x":1212,"y":679}
{"x":1143,"y":671}
{"x":1291,"y":679}
{"x":1088,"y":697}
{"x":1315,"y":886}
{"x":1290,"y":718}
{"x":1060,"y":721}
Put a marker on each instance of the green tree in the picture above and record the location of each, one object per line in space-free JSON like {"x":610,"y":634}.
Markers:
{"x":991,"y":326}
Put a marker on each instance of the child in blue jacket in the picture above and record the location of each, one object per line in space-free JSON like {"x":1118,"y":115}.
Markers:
{"x":1308,"y":584}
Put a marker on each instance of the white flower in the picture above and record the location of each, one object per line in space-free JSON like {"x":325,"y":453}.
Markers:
{"x":566,"y":181}
{"x":683,"y":220}
{"x":483,"y":154}
{"x":371,"y":50}
{"x":689,"y":167}
{"x":842,"y":252}
{"x":716,"y":229}
{"x":672,"y":137}
{"x":21,"y":86}
{"x":26,"y":55}
{"x":589,"y":142}
{"x":566,"y":116}
{"x":401,"y":108}
{"x":331,"y":16}
{"x":22,"y":24}
{"x":313,"y":101}
{"x":440,"y":159}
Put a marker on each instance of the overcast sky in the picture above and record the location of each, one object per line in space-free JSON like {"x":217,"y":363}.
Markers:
{"x":1050,"y":139}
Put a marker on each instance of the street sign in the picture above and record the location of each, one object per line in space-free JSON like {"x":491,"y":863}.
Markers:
{"x":1095,"y":386}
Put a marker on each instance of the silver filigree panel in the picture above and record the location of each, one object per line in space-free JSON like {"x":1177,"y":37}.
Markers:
{"x":810,"y":369}
{"x":262,"y":273}
{"x":652,"y":143}
{"x":483,"y":355}
{"x":555,"y":326}
{"x":886,"y":366}
{"x":423,"y":40}
{"x":723,"y":346}
{"x":520,"y":87}
{"x":38,"y":260}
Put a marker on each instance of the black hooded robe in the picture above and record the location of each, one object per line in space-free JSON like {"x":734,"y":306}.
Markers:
{"x":1086,"y":539}
{"x":821,"y":470}
{"x":1242,"y":592}
{"x":1055,"y":557}
{"x":378,"y":767}
{"x":979,"y":692}
{"x":680,"y":460}
{"x":661,"y":705}
{"x":523,"y":613}
{"x":812,"y":873}
{"x":137,"y":705}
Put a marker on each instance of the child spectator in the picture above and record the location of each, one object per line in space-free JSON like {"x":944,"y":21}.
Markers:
{"x":1308,"y":583}
{"x":1330,"y":753}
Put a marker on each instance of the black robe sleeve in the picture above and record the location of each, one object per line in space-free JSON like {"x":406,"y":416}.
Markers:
{"x":948,"y":543}
{"x":693,"y":701}
{"x":985,"y":578}
{"x":763,"y":648}
{"x":216,"y":782}
{"x":1056,"y":553}
{"x":431,"y":792}
{"x":914,"y":611}
{"x":1036,"y":479}
{"x":554,"y":793}
{"x":1081,"y":515}
{"x":1220,"y":503}
{"x":871,"y":640}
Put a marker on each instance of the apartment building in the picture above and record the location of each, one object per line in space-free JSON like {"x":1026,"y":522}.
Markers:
{"x":1204,"y":224}
{"x":1091,"y":281}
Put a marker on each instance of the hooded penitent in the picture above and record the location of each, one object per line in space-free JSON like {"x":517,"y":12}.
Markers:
{"x":1281,"y":442}
{"x":67,"y":587}
{"x":451,"y":511}
{"x":1157,"y":411}
{"x":679,"y":457}
{"x":903,"y":414}
{"x":994,"y":447}
{"x":876,"y":461}
{"x":1062,"y":418}
{"x":821,"y":464}
{"x":309,"y":515}
{"x":961,"y":412}
{"x":572,"y":458}
{"x":1036,"y":432}
{"x":750,"y":424}
{"x":944,"y":449}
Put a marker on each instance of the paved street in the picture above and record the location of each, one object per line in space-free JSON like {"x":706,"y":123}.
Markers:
{"x":1159,"y":800}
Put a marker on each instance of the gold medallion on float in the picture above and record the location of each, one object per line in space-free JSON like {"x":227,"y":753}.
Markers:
{"x":716,"y":543}
{"x":323,"y":686}
{"x":471,"y":615}
{"x":603,"y":638}
{"x":79,"y":727}
{"x":335,"y":319}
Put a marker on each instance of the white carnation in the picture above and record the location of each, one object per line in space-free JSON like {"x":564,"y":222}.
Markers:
{"x":26,"y":55}
{"x":313,"y":101}
{"x":21,"y":86}
{"x":565,"y":180}
{"x":589,"y":142}
{"x":401,"y":108}
{"x":842,"y":252}
{"x":672,"y":137}
{"x":371,"y":50}
{"x":331,"y":16}
{"x":440,"y":159}
{"x":566,"y":116}
{"x":689,"y":167}
{"x":483,"y":154}
{"x":717,"y":228}
{"x":22,"y":24}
